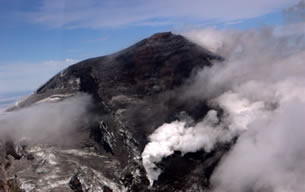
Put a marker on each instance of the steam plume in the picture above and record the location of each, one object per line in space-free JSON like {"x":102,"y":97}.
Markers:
{"x":261,"y":88}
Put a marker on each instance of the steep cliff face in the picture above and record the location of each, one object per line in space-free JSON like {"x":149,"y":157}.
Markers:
{"x":134,"y":91}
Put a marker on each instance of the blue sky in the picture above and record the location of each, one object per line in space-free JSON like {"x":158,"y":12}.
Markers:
{"x":41,"y":37}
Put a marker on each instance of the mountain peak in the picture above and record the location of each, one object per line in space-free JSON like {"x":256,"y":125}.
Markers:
{"x":162,"y":35}
{"x":164,"y":60}
{"x":165,"y":37}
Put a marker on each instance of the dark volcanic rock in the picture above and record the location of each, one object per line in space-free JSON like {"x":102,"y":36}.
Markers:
{"x":135,"y":91}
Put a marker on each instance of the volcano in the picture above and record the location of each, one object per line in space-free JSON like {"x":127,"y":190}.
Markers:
{"x":134,"y":91}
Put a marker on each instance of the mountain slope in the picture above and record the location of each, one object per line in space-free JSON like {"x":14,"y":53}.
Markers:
{"x":134,"y":92}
